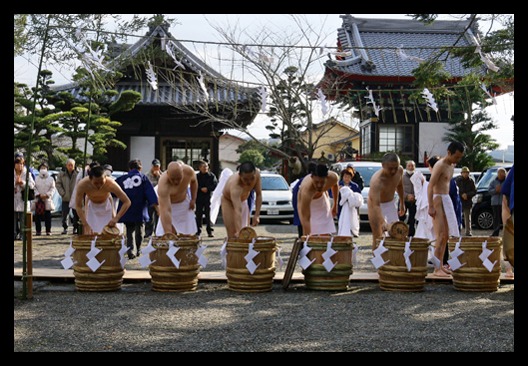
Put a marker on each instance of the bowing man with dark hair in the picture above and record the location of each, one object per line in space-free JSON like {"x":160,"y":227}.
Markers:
{"x":313,"y":202}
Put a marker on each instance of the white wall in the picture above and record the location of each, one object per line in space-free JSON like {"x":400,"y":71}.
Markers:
{"x":143,"y":148}
{"x":430,"y":137}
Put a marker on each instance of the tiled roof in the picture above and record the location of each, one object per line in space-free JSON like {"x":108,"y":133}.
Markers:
{"x":362,"y":36}
{"x":219,"y":88}
{"x":167,"y":95}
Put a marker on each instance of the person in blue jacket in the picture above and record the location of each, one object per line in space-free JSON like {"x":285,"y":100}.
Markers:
{"x":141,"y":192}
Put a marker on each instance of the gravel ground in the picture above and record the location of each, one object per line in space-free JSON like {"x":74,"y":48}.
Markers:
{"x":215,"y":319}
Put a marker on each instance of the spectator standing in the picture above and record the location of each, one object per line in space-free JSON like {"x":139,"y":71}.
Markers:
{"x":347,"y":176}
{"x":467,"y":189}
{"x":65,"y":184}
{"x":207,"y":183}
{"x":20,"y":187}
{"x":44,"y":190}
{"x":496,"y":200}
{"x":153,"y":175}
{"x":356,"y":176}
{"x":138,"y":188}
{"x":409,"y":196}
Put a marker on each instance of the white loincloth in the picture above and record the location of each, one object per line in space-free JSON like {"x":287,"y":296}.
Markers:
{"x":99,"y":214}
{"x":450,"y":214}
{"x":389,"y":212}
{"x":424,"y":229}
{"x":183,"y":219}
{"x":349,"y":218}
{"x":321,"y":220}
{"x":216,"y":197}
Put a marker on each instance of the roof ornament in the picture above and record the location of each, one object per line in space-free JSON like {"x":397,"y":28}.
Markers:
{"x":368,"y":66}
{"x":202,"y":83}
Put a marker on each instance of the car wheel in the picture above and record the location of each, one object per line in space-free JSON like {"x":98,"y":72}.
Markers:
{"x":485,"y":220}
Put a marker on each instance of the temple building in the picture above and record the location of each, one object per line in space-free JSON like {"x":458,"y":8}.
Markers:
{"x":182,"y":114}
{"x":373,"y":72}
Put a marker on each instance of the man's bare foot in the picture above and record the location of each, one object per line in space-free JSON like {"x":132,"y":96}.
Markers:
{"x":441,"y":272}
{"x":509,"y":274}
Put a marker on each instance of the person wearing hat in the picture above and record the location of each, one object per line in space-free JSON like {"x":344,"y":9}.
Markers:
{"x":153,"y":175}
{"x":466,"y":190}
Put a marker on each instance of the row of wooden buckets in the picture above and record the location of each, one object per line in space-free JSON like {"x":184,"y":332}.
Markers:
{"x":394,"y":275}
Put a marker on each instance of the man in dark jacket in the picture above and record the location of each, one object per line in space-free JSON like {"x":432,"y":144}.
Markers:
{"x":466,"y":189}
{"x":207,"y":183}
{"x":138,"y":188}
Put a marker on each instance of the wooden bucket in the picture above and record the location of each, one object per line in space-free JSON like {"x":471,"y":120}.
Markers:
{"x":108,"y":277}
{"x":473,"y":276}
{"x":316,"y":277}
{"x":394,"y":276}
{"x":238,"y":276}
{"x":165,"y":277}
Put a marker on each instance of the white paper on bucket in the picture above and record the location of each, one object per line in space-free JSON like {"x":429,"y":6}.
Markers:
{"x":122,"y":252}
{"x":223,"y":254}
{"x":171,"y":253}
{"x":251,"y":266}
{"x":407,"y":254}
{"x":202,"y":259}
{"x":94,"y":264}
{"x":328,"y":253}
{"x":377,"y":260}
{"x":484,"y":256}
{"x":454,"y":262}
{"x":304,"y":262}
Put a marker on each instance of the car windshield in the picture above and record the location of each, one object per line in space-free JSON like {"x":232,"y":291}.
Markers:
{"x":487,"y":178}
{"x":366,"y":173}
{"x":274,"y":184}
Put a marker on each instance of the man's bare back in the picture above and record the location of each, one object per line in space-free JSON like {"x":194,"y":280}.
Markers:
{"x":313,"y":187}
{"x":172,"y":189}
{"x":98,"y":190}
{"x":235,"y":194}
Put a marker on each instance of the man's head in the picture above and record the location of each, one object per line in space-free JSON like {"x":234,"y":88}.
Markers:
{"x":97,"y":176}
{"x":390,"y":163}
{"x":70,"y":165}
{"x":134,"y":164}
{"x":410,"y":166}
{"x":248,"y":173}
{"x":175,"y":172}
{"x":465,"y":172}
{"x":346,"y":176}
{"x":319,"y":176}
{"x":203,"y":167}
{"x":455,"y":152}
{"x":501,"y":174}
{"x":350,"y":168}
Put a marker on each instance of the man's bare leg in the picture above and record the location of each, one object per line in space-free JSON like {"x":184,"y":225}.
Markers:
{"x":228,"y":214}
{"x":441,"y":230}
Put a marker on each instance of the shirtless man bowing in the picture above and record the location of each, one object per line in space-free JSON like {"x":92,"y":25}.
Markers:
{"x":440,"y":204}
{"x":98,"y":211}
{"x":176,"y":206}
{"x":313,"y":203}
{"x":235,"y":209}
{"x":381,"y":208}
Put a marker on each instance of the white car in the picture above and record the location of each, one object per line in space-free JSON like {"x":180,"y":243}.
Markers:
{"x":276,"y":198}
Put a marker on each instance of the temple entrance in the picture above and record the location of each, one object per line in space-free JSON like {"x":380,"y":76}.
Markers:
{"x":188,"y":150}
